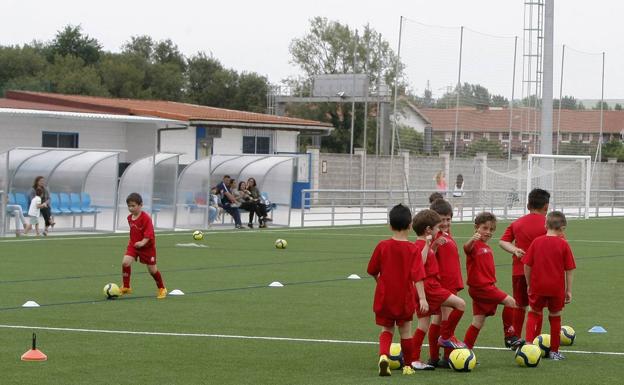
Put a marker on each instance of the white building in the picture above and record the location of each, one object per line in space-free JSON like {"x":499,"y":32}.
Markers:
{"x":141,"y":127}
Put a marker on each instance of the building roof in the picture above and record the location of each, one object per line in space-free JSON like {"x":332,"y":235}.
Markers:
{"x":497,"y":120}
{"x":192,"y":113}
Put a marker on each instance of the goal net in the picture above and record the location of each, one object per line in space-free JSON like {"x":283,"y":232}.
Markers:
{"x":566,"y":177}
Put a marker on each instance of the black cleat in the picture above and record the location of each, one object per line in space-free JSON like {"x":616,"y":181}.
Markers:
{"x":514,"y":342}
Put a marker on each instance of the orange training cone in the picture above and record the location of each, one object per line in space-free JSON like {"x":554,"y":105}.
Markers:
{"x":34,"y":354}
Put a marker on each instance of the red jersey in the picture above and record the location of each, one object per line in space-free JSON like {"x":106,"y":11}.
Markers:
{"x":480,"y":265}
{"x":394,"y":265}
{"x":448,"y":263}
{"x":523,"y":231}
{"x":141,"y":228}
{"x":549,"y":258}
{"x":431,"y":265}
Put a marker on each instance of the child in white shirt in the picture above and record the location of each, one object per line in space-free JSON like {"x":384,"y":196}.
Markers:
{"x":35,"y":209}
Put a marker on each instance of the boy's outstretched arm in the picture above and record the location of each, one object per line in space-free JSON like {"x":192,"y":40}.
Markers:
{"x":468,"y":245}
{"x":511,"y":248}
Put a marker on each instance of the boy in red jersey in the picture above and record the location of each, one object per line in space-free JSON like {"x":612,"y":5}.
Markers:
{"x":451,"y":278}
{"x":141,"y":246}
{"x":522,"y":232}
{"x":426,"y":225}
{"x":482,"y":277}
{"x":548,"y":267}
{"x":397,"y":271}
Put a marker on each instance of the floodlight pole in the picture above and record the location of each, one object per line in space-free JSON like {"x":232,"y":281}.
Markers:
{"x":547,"y":84}
{"x":511,"y":102}
{"x":458,"y":89}
{"x":560,"y":99}
{"x":394,"y":108}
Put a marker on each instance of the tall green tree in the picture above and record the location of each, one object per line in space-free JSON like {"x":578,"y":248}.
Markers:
{"x":21,"y":68}
{"x":70,"y":41}
{"x":330,"y":47}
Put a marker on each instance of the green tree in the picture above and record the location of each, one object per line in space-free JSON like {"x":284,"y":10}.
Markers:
{"x":69,"y":75}
{"x":330,"y":47}
{"x":499,"y":101}
{"x":123,"y":75}
{"x":491,"y":147}
{"x":21,"y":68}
{"x":613,"y":149}
{"x":618,"y":107}
{"x":605,"y":106}
{"x":70,"y":41}
{"x":567,"y":103}
{"x":209,"y":83}
{"x":251,"y":92}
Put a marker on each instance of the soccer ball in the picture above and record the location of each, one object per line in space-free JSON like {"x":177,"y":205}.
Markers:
{"x":543,"y":341}
{"x":567,"y":335}
{"x":396,"y":356}
{"x":198,"y":235}
{"x":111,"y":291}
{"x":528,"y":355}
{"x":462,"y":360}
{"x":281,"y":244}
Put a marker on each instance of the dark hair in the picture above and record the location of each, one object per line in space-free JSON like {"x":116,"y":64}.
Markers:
{"x":435,"y":196}
{"x":555,"y":220}
{"x":538,"y":198}
{"x":39,"y":191}
{"x":459,"y":181}
{"x":442,"y":207}
{"x":36,"y":182}
{"x":254,"y":181}
{"x":423,"y":219}
{"x":483,"y":217}
{"x":134,"y":197}
{"x":226,"y":176}
{"x":400,"y":217}
{"x":240,"y":183}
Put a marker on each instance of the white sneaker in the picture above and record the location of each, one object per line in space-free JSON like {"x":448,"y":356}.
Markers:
{"x":417,"y":365}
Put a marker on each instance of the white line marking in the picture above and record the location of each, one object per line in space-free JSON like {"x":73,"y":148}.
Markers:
{"x":206,"y":335}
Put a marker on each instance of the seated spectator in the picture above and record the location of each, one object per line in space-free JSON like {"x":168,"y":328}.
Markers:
{"x":247,"y":202}
{"x":20,"y":221}
{"x":261,"y":210}
{"x":214,"y":210}
{"x":228,"y":201}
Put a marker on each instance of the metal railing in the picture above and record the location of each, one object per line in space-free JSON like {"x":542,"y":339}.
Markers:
{"x":331,"y":207}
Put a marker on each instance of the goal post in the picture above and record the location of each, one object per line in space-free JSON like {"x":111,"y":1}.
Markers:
{"x":566,"y":177}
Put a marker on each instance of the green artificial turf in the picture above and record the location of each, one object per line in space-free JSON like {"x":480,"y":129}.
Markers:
{"x":227,"y":294}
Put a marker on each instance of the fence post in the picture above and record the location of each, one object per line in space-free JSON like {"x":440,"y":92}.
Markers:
{"x":333,"y":211}
{"x":303,"y":205}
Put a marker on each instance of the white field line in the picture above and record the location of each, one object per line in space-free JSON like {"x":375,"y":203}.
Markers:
{"x":288,"y":339}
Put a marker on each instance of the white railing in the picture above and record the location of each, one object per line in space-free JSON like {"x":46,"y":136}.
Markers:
{"x":331,"y":207}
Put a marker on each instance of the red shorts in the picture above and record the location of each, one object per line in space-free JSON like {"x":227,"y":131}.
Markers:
{"x":485,"y":299}
{"x":142,"y":257}
{"x":520,"y":290}
{"x":435,"y":294}
{"x":387,"y":322}
{"x":554,"y":304}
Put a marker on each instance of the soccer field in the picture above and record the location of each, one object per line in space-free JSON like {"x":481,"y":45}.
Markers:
{"x":231,"y":328}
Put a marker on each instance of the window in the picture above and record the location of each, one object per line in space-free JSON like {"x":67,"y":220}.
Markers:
{"x":504,"y":136}
{"x":448,"y":136}
{"x":467,"y":136}
{"x":586,"y":138}
{"x":256,"y":145}
{"x":565,"y":137}
{"x":486,"y":136}
{"x":526,"y":137}
{"x":59,"y":139}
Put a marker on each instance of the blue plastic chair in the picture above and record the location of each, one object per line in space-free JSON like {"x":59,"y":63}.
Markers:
{"x":75,"y":204}
{"x":11,"y":198}
{"x":265,"y":197}
{"x":20,"y":199}
{"x":65,"y":204}
{"x":86,"y":207}
{"x":55,"y":204}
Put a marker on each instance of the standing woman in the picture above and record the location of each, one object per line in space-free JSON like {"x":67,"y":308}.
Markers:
{"x":458,"y":193}
{"x":40,"y":182}
{"x":440,"y":180}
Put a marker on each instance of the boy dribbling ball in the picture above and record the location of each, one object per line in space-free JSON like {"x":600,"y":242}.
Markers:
{"x":141,"y":246}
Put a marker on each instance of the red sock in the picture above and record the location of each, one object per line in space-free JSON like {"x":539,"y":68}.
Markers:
{"x":158,"y":278}
{"x":540,"y":321}
{"x":447,"y":353}
{"x":407,"y":347}
{"x":555,"y":329}
{"x":433,"y":334}
{"x":385,"y":340}
{"x":471,"y":336}
{"x":418,"y":338}
{"x":533,"y":319}
{"x":508,"y":317}
{"x":518,"y":320}
{"x":125,"y":274}
{"x":448,"y":326}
